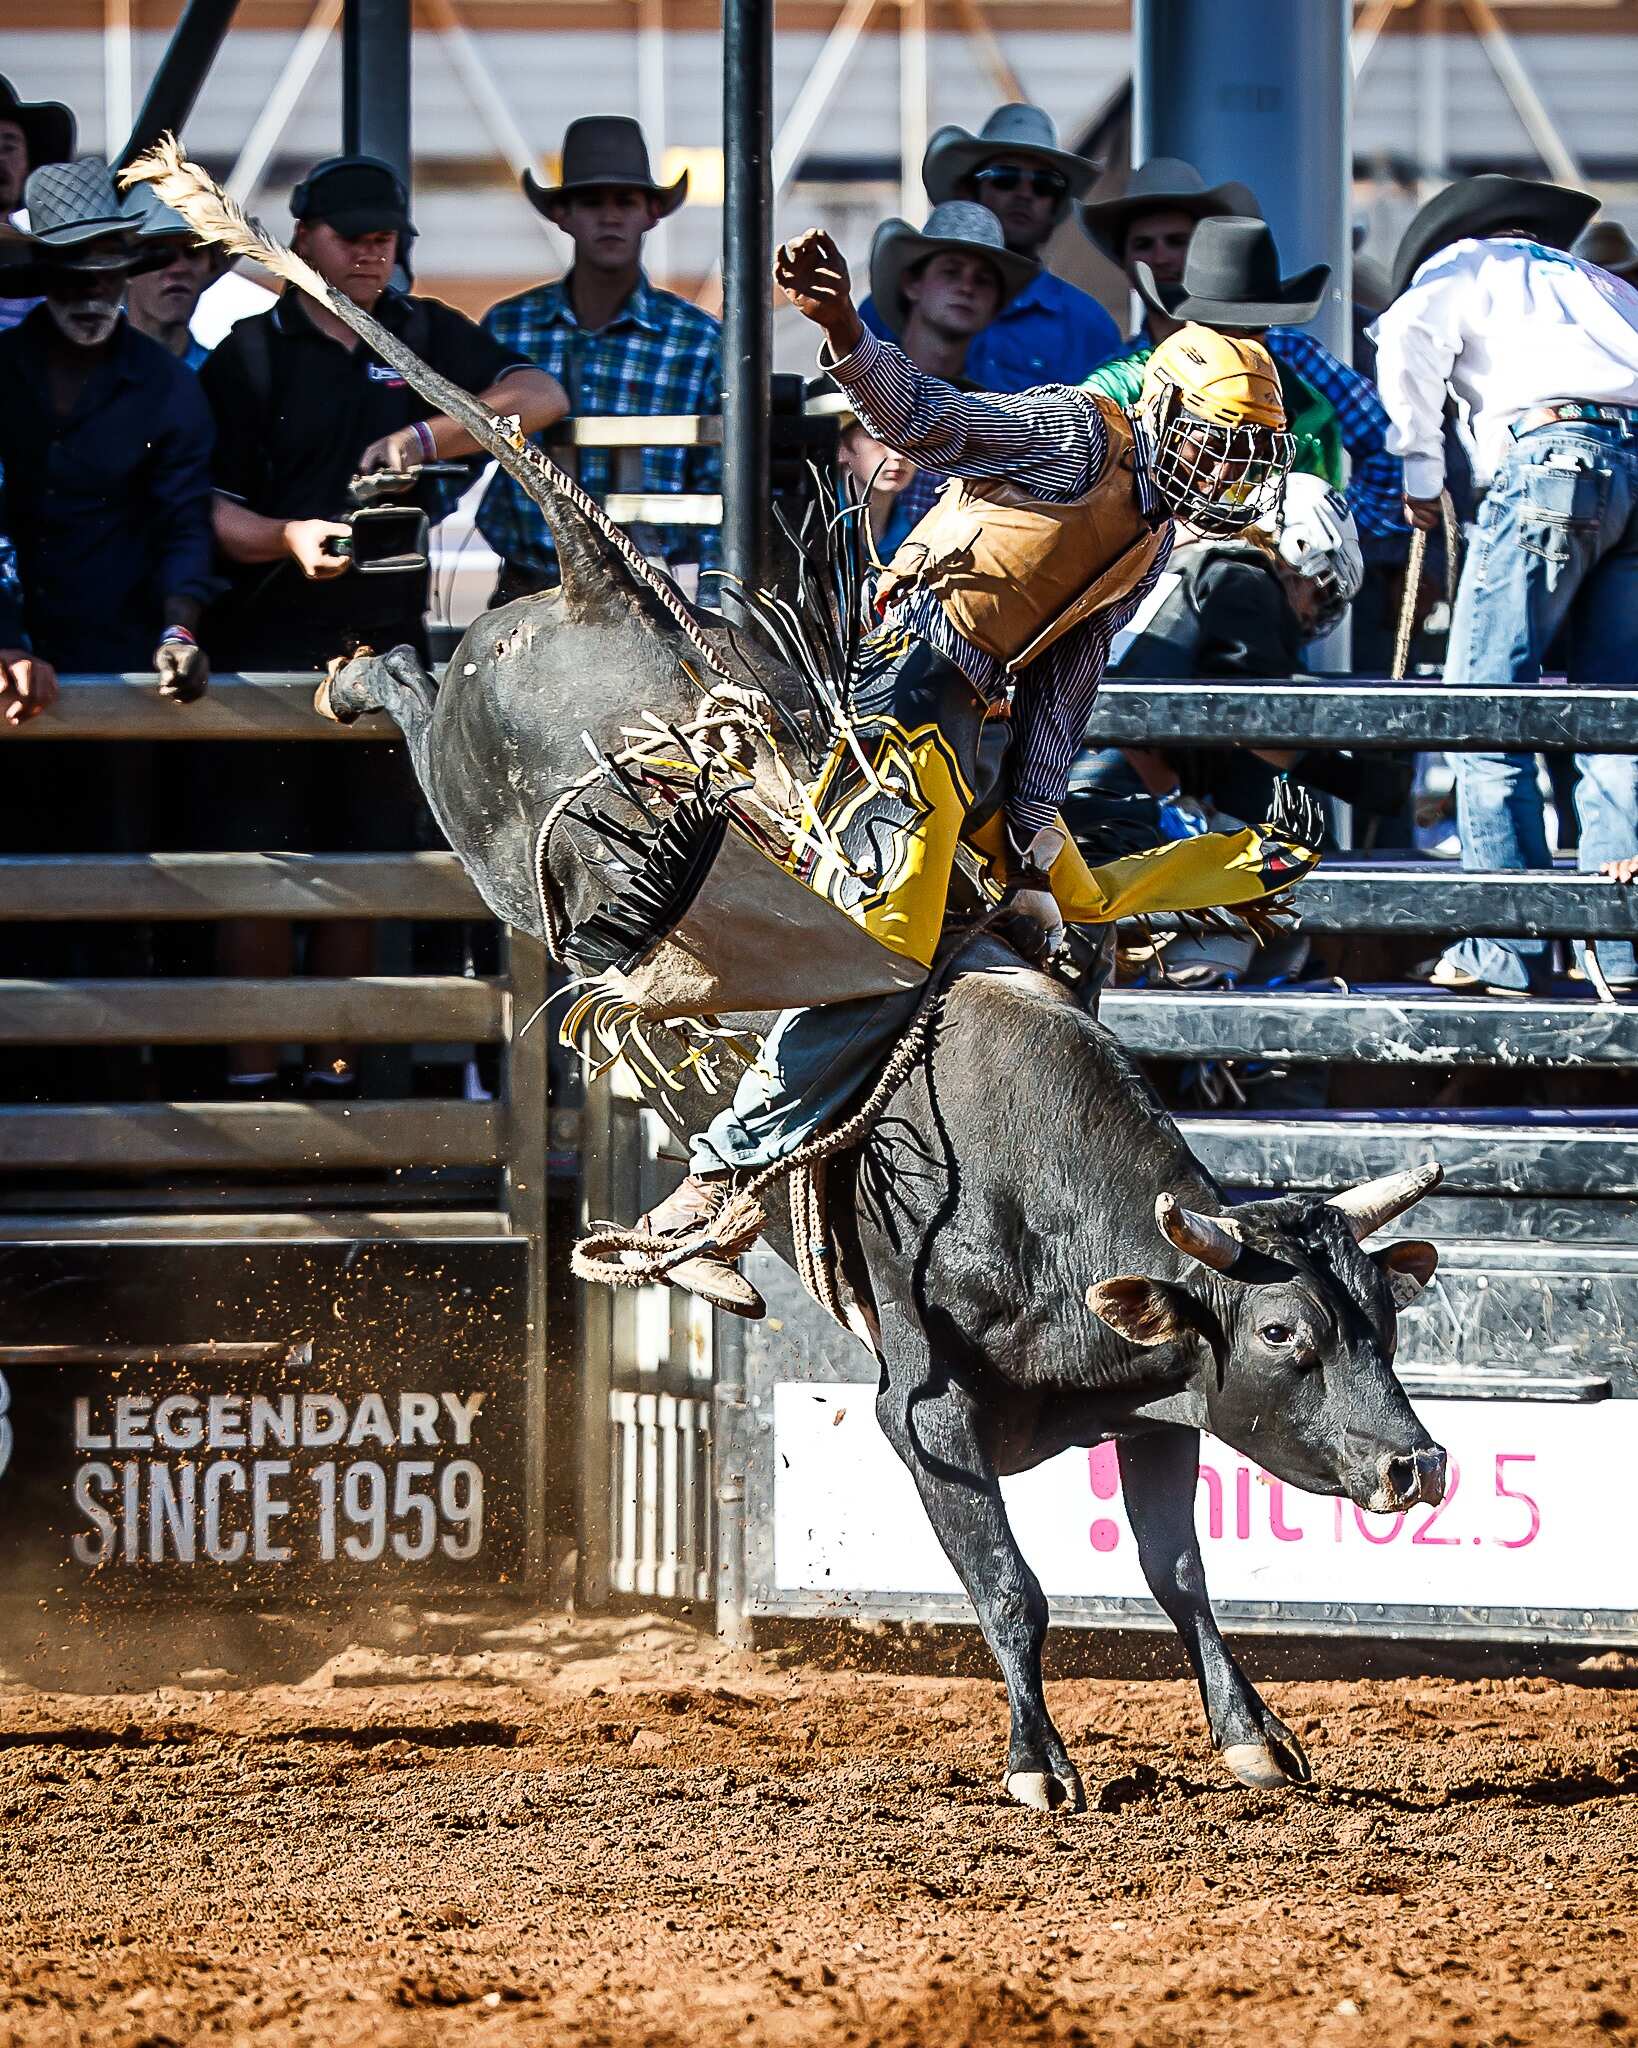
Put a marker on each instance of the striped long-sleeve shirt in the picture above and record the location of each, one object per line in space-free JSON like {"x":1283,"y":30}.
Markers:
{"x":1051,"y":441}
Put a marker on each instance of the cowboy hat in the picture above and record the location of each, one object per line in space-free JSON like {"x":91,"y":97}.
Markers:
{"x":1608,"y":244}
{"x":47,"y":125}
{"x":79,"y":222}
{"x":1483,"y":205}
{"x":1015,"y":130}
{"x":1165,"y":184}
{"x":1231,"y":280}
{"x":959,"y":224}
{"x":603,"y":149}
{"x":162,"y":224}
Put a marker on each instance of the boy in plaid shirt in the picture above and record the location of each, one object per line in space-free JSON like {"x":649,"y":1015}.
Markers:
{"x":616,"y":343}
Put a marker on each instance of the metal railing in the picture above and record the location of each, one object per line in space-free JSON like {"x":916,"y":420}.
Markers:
{"x":239,"y":1144}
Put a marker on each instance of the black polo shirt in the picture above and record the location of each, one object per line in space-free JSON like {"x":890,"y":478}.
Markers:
{"x":295,"y":411}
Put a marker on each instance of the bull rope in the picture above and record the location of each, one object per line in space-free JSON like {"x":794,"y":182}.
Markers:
{"x":1413,"y":581}
{"x":619,"y":1257}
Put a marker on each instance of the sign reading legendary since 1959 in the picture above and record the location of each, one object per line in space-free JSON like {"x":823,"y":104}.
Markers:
{"x":153,"y":1429}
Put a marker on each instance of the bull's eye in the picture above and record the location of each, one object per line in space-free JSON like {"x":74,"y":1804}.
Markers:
{"x":1277,"y":1335}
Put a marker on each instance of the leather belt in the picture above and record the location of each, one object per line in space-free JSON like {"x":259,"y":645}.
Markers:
{"x":1575,"y":409}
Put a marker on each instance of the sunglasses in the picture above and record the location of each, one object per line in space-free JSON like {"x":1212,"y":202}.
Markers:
{"x":1044,"y":184}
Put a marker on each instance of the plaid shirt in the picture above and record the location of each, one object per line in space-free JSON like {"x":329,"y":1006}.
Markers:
{"x":657,"y":355}
{"x":1376,"y":487}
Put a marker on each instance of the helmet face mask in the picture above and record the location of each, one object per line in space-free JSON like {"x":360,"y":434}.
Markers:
{"x":1212,"y":405}
{"x":1318,"y":547}
{"x":1219,"y":479}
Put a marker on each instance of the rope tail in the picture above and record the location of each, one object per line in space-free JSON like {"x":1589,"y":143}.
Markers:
{"x":587,"y":539}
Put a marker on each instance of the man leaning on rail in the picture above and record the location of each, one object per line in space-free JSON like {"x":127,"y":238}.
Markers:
{"x":1540,"y":350}
{"x":616,"y":342}
{"x":1058,"y":524}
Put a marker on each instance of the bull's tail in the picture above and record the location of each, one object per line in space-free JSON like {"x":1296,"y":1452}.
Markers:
{"x":598,"y":560}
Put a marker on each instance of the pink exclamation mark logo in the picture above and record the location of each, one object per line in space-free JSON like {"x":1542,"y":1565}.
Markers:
{"x":1103,"y":1467}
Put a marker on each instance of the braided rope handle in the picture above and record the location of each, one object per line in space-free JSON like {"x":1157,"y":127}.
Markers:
{"x":1413,"y":581}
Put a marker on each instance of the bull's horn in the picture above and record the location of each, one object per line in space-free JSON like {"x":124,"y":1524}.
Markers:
{"x":1204,"y":1238}
{"x":1375,"y":1203}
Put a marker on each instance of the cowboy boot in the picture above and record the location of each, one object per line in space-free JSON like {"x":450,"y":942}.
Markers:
{"x":712,"y":1275}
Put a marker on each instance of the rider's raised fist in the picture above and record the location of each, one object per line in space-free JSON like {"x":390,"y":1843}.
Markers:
{"x":812,"y":273}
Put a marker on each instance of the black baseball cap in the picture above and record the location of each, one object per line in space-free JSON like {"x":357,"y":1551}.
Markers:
{"x":355,"y":195}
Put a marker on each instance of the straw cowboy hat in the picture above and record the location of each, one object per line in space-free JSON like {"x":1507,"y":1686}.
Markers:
{"x":960,"y":224}
{"x":1231,"y":280}
{"x":1485,"y":205}
{"x":603,"y":149}
{"x":47,"y":125}
{"x":1015,"y":130}
{"x":78,"y":221}
{"x":1165,"y":184}
{"x":1608,"y":244}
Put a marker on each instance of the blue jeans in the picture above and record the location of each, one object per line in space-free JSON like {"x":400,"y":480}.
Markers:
{"x":814,"y":1064}
{"x":1554,"y":553}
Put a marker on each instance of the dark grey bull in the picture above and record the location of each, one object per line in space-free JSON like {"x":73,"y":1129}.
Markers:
{"x":1050,"y":1266}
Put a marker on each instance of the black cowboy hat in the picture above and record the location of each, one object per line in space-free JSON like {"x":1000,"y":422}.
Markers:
{"x":1165,"y":184}
{"x":1016,"y":130}
{"x":960,"y":224}
{"x":603,"y":149}
{"x":47,"y":125}
{"x":1232,"y":281}
{"x":79,"y":222}
{"x":1481,"y":206}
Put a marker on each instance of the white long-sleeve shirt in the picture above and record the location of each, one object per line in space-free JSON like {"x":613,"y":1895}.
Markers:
{"x":1507,"y":324}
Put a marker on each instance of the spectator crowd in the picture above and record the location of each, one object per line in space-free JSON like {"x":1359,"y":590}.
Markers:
{"x":267,"y":505}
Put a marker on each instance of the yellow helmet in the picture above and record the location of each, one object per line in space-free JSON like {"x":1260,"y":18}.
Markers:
{"x":1212,"y":406}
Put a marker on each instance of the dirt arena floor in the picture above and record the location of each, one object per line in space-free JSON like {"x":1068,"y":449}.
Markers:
{"x":540,"y":1831}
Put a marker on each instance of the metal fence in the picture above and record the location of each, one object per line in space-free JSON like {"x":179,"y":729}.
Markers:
{"x":1522,"y":1347}
{"x":349,"y":1166}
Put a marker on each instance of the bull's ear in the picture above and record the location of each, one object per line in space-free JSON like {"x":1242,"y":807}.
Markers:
{"x":1409,"y":1267}
{"x":1142,"y":1311}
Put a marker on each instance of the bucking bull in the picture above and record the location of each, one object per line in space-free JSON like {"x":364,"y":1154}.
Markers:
{"x":1048,"y":1264}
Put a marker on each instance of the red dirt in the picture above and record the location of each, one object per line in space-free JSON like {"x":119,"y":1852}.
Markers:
{"x":580,"y":1833}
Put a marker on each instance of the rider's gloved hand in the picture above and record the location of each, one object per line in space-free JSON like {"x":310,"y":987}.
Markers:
{"x":1183,"y":817}
{"x":1030,"y":920}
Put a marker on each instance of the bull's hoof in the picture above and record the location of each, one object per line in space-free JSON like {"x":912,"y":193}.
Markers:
{"x":1267,"y":1766}
{"x":1048,"y":1791}
{"x":343,"y":705}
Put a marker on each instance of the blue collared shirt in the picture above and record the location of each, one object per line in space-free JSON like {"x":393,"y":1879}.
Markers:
{"x":657,"y":355}
{"x":110,"y":507}
{"x":1051,"y":333}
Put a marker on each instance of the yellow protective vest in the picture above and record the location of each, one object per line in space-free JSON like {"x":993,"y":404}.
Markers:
{"x":1014,"y":573}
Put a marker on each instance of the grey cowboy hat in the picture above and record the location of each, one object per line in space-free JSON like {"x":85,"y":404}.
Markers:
{"x":960,"y":224}
{"x":1231,"y":280}
{"x":1485,"y":205}
{"x":79,"y":222}
{"x":47,"y":125}
{"x":1013,"y":130}
{"x":603,"y":149}
{"x":1165,"y":184}
{"x":1608,"y":244}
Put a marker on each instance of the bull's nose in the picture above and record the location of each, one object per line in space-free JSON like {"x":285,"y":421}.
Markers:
{"x":1411,"y":1476}
{"x":1432,"y":1473}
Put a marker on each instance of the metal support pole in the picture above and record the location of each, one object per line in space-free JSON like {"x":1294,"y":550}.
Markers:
{"x":913,"y":103}
{"x":527,"y":1146}
{"x":747,"y":314}
{"x":652,"y":115}
{"x":375,"y":82}
{"x":182,"y":71}
{"x":1258,"y":90}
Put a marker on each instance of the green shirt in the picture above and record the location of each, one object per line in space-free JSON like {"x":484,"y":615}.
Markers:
{"x":1311,"y":419}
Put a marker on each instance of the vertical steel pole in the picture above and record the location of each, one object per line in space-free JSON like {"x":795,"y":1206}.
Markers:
{"x":747,"y":313}
{"x":1258,"y":90}
{"x":528,"y":1142}
{"x":375,"y":81}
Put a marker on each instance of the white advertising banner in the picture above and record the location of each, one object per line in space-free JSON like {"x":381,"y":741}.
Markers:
{"x":1539,"y":1514}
